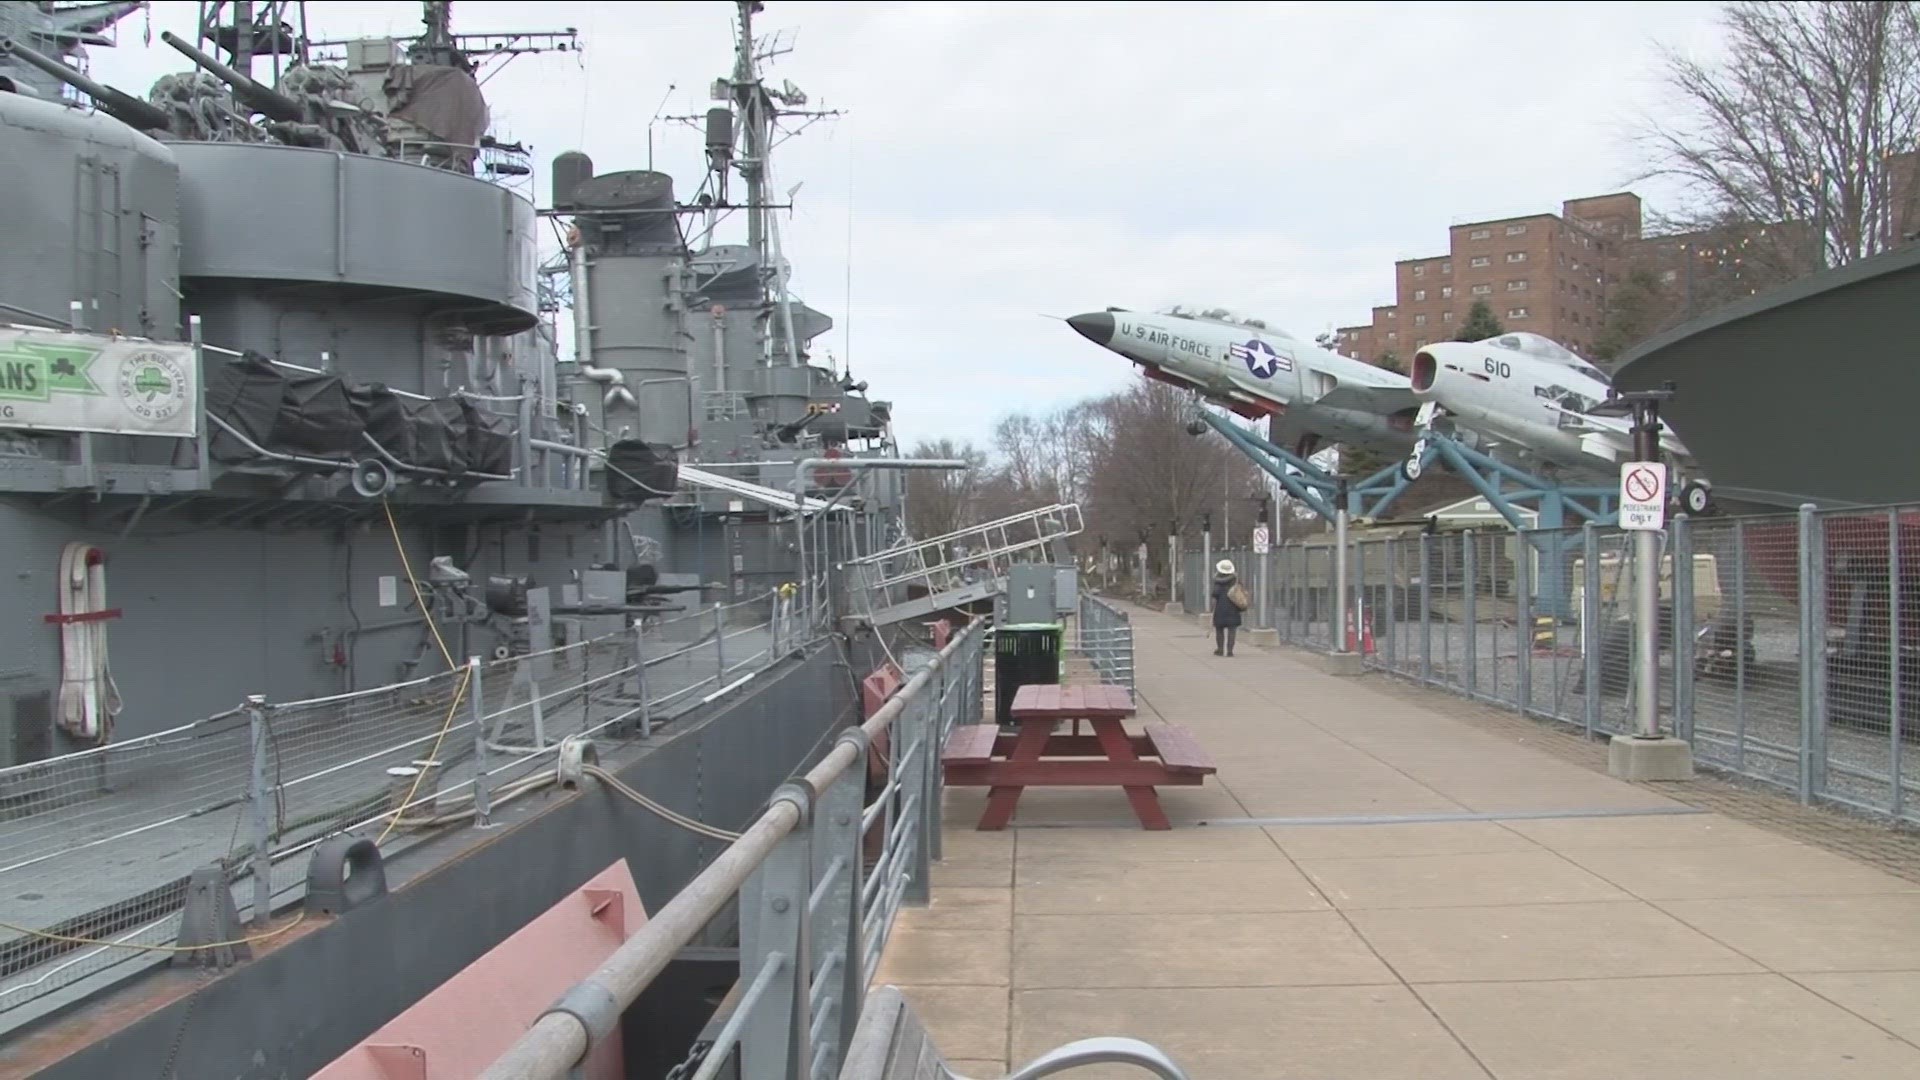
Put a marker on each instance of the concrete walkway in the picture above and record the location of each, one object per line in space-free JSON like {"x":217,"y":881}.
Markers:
{"x":1580,"y":929}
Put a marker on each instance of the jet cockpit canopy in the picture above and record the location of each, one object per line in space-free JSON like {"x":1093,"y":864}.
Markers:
{"x":1225,"y":316}
{"x":1543,"y":348}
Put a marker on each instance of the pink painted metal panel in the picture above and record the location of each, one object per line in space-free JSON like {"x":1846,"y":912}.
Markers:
{"x":467,"y":1022}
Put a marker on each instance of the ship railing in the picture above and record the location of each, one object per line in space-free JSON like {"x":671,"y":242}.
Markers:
{"x":1789,"y":644}
{"x":96,"y":846}
{"x":814,"y":915}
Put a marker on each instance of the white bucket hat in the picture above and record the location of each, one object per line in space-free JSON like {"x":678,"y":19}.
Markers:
{"x":1224,"y":566}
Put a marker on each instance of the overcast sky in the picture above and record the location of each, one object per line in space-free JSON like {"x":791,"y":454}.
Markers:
{"x":1001,"y":161}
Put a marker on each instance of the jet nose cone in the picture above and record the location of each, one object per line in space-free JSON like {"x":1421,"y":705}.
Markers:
{"x":1096,"y":327}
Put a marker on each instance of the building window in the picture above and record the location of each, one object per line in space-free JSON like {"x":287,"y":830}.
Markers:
{"x":1421,"y":344}
{"x":1419,"y":271}
{"x":1391,"y":335}
{"x":1480,"y":234}
{"x":1517,"y":285}
{"x":1446,"y":317}
{"x":1446,"y":292}
{"x":1516,"y":256}
{"x":1667,"y":276}
{"x":1419,"y":294}
{"x":1517,"y":313}
{"x":1392,"y":314}
{"x":1419,"y":320}
{"x":1479,"y":261}
{"x":1516,"y":230}
{"x":1446,"y":267}
{"x":1482,"y":290}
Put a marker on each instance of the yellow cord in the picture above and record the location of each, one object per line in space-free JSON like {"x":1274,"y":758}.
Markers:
{"x":269,"y":935}
{"x":459,"y":694}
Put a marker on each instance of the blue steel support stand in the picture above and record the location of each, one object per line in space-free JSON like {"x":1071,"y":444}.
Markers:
{"x":1505,"y":488}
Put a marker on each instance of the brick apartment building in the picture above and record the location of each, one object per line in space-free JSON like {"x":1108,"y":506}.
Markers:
{"x":1547,"y":273}
{"x":1552,"y":273}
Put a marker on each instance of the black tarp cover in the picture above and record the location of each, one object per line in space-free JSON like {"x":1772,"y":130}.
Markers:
{"x":655,"y":468}
{"x":287,"y":412}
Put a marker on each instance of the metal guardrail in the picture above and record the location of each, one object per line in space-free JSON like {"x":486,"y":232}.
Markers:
{"x":814,"y":919}
{"x":1790,"y":644}
{"x":1104,"y":635}
{"x":96,"y":847}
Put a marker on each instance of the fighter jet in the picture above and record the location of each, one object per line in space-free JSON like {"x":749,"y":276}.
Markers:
{"x":1533,"y":399}
{"x":1255,"y":370}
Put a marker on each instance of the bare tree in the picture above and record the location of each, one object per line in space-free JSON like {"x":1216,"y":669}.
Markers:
{"x":1803,"y":140}
{"x":941,"y":501}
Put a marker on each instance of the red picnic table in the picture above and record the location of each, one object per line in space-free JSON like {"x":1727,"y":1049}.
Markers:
{"x":979,"y":755}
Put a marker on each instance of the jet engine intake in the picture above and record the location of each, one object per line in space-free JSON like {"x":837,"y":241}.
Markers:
{"x":1426,"y":370}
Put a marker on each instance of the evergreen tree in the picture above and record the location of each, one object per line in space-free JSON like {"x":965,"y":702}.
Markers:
{"x":1480,"y":324}
{"x":1638,"y":308}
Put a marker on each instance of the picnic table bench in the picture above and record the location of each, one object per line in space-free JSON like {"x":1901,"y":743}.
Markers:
{"x":981,"y":755}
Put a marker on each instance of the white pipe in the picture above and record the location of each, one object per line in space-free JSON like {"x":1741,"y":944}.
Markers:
{"x":582,"y":306}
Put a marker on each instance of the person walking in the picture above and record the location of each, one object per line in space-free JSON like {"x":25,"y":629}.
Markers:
{"x":1228,"y":600}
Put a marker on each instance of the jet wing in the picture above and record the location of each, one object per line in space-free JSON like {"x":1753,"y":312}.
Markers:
{"x":1341,"y":383}
{"x":1615,"y":429}
{"x":1384,"y":396}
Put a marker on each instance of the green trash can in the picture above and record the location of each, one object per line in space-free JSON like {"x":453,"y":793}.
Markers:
{"x":1025,"y":654}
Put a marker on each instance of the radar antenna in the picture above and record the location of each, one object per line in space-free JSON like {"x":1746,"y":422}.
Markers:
{"x":747,"y":121}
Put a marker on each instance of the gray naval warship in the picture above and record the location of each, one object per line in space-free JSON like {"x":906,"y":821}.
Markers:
{"x":317,"y":533}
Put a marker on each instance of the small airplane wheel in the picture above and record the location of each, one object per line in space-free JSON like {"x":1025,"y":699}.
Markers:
{"x":1412,"y":468}
{"x":1696,"y":497}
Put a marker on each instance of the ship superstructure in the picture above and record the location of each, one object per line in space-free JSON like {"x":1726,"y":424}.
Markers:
{"x":295,"y":479}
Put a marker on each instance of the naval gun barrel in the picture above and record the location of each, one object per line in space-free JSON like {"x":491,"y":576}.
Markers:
{"x":261,"y":99}
{"x":123,"y":107}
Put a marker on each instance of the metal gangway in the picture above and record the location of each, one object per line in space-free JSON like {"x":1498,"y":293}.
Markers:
{"x":918,"y":578}
{"x":698,"y":477}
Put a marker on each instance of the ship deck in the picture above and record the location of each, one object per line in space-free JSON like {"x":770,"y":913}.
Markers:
{"x":1389,"y":882}
{"x":150,"y":821}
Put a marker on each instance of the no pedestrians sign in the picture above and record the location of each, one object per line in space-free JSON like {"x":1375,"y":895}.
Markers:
{"x":1643,"y":495}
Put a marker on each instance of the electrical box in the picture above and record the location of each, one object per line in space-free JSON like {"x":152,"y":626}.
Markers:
{"x":1030,"y":594}
{"x":26,"y":718}
{"x":1066,"y":589}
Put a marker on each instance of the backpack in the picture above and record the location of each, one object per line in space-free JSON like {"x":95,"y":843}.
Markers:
{"x":1237,"y":595}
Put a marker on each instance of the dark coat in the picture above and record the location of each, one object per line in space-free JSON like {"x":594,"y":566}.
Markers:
{"x":1224,"y":613}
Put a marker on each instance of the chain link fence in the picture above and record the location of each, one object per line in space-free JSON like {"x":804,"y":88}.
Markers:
{"x":1789,"y":644}
{"x":96,"y":847}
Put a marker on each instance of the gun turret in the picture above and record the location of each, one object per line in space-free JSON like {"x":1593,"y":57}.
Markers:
{"x":123,"y":107}
{"x":261,"y":99}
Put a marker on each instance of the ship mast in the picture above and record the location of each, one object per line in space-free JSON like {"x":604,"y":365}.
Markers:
{"x":758,"y":112}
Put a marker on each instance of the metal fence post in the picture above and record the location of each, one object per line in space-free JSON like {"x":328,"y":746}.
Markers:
{"x":1591,"y":633}
{"x":937,"y":729}
{"x":1339,"y":631}
{"x":773,"y":928}
{"x":1426,"y":607}
{"x":259,"y":793}
{"x":1813,"y":655}
{"x":918,"y":718}
{"x":719,"y":644}
{"x":838,"y":924}
{"x":1683,"y":622}
{"x":640,"y":678}
{"x":1469,"y":596}
{"x":482,"y":795}
{"x":1896,"y":702}
{"x":1523,"y":551}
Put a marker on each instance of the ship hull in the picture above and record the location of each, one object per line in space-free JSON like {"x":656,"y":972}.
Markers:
{"x":300,"y":1005}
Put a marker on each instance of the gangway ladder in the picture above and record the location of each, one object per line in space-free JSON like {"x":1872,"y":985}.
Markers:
{"x":918,"y":578}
